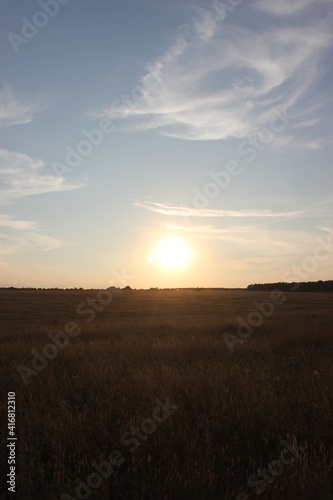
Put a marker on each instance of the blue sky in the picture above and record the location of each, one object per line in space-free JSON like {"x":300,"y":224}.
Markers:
{"x":127,"y":123}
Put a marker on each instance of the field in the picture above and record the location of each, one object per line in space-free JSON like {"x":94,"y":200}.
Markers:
{"x":145,"y":396}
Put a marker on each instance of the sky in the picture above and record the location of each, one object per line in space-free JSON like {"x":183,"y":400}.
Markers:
{"x":135,"y":132}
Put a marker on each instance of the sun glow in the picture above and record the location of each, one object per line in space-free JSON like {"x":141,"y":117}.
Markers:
{"x":171,"y":252}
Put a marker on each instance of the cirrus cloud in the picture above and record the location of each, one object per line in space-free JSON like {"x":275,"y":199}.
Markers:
{"x":181,"y":211}
{"x":13,"y":111}
{"x":22,"y":176}
{"x":220,"y":80}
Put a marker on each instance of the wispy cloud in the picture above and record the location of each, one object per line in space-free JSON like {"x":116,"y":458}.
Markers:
{"x":13,"y":243}
{"x":285,"y":7}
{"x":220,"y":80}
{"x":8,"y":221}
{"x":181,"y":211}
{"x":263,"y":244}
{"x":22,"y":176}
{"x":261,"y":240}
{"x":15,"y":111}
{"x":326,"y":229}
{"x":22,"y":234}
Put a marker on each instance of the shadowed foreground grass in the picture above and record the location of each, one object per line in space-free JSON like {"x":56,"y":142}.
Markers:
{"x":235,"y":411}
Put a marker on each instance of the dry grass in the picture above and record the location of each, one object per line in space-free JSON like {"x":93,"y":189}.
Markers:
{"x":234,"y":410}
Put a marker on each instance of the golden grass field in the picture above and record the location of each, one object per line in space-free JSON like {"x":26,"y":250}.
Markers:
{"x":236,"y":412}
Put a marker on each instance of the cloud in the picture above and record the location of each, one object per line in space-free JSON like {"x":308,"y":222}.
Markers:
{"x":22,"y":234}
{"x":326,"y":229}
{"x":284,"y":7}
{"x":18,"y":236}
{"x":220,"y":80}
{"x":278,"y":247}
{"x":15,"y":112}
{"x":181,"y":211}
{"x":259,"y":242}
{"x":21,"y":176}
{"x":320,"y":143}
{"x":14,"y":243}
{"x":7,"y":221}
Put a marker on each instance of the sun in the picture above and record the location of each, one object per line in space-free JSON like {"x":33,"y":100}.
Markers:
{"x":171,"y":253}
